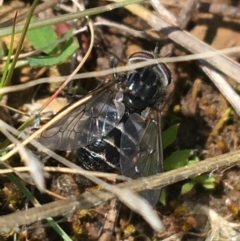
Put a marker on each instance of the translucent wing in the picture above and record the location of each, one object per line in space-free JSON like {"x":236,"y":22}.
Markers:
{"x":85,"y":124}
{"x":141,"y":151}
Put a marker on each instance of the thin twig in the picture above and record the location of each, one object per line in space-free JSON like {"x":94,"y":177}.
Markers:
{"x":110,"y":221}
{"x":109,"y":176}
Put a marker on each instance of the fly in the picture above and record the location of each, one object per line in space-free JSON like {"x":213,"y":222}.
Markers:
{"x":112,"y":130}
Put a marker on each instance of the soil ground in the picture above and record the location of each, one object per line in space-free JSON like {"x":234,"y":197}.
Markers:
{"x":191,"y":100}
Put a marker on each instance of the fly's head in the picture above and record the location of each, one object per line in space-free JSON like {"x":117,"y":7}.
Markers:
{"x":144,"y":87}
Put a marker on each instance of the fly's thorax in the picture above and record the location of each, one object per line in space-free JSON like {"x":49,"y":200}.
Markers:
{"x":144,"y":87}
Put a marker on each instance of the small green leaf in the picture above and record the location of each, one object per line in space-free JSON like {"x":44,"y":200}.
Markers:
{"x":202,"y":178}
{"x":177,"y":159}
{"x":205,"y":180}
{"x":163,"y":197}
{"x":69,"y":49}
{"x":195,"y":160}
{"x":2,"y":49}
{"x":209,"y":186}
{"x":169,"y":135}
{"x":187,"y":187}
{"x":42,"y":37}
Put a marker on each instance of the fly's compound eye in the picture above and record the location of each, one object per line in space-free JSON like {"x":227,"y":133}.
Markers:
{"x":161,"y":69}
{"x":164,"y":74}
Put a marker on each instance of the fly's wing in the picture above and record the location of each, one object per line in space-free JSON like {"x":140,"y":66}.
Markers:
{"x":85,"y":124}
{"x":141,"y":151}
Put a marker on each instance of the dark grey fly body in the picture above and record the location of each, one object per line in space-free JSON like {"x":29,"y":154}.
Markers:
{"x":118,"y":129}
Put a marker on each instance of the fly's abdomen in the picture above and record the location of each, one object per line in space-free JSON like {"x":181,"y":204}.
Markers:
{"x":102,"y":155}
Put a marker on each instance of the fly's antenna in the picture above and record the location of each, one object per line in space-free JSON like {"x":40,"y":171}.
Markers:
{"x":156,"y":50}
{"x":113,"y":65}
